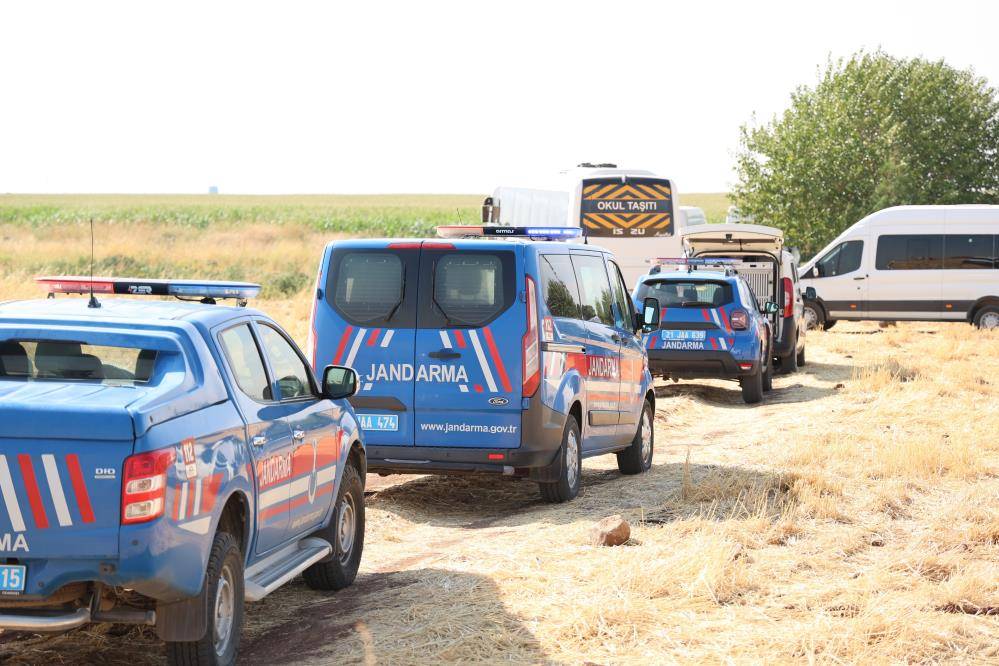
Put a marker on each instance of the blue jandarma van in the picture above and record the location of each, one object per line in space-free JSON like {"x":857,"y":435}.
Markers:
{"x":476,"y":353}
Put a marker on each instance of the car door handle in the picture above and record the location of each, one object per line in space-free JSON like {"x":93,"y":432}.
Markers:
{"x":259,"y":440}
{"x":297,"y":434}
{"x":444,"y":353}
{"x":862,"y":277}
{"x":617,"y":338}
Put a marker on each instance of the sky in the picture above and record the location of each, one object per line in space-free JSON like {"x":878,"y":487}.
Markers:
{"x":458,"y":97}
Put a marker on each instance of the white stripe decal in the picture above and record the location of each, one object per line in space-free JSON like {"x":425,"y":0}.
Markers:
{"x":55,"y":487}
{"x":182,"y":511}
{"x":326,"y":475}
{"x":722,"y":341}
{"x":199,"y":526}
{"x":197,"y":498}
{"x":482,"y":361}
{"x":446,"y":341}
{"x":714,"y":315}
{"x":10,"y":497}
{"x":387,"y":338}
{"x":367,"y":386}
{"x":295,"y":487}
{"x":353,"y":349}
{"x":272,"y":496}
{"x":462,"y":388}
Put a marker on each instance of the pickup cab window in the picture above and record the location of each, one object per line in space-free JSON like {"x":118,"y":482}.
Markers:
{"x":75,"y":361}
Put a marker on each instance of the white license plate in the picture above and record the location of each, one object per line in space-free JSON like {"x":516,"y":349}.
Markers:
{"x":379,"y":422}
{"x":12,"y":577}
{"x":684,"y":335}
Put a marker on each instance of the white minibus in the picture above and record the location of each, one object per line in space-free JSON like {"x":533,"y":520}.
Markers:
{"x":916,"y":263}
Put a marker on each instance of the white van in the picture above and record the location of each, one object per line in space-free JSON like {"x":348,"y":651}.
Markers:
{"x":633,"y":213}
{"x":916,"y":263}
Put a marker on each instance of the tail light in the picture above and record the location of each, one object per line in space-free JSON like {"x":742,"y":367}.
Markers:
{"x":531,"y":352}
{"x":144,"y":483}
{"x":740,"y":319}
{"x":788,"y":298}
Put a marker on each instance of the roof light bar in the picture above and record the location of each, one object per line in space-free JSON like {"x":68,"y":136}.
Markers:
{"x":470,"y":231}
{"x":685,"y":261}
{"x":207,"y":289}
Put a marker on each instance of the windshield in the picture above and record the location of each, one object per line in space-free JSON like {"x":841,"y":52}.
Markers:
{"x":687,"y":293}
{"x":75,"y":361}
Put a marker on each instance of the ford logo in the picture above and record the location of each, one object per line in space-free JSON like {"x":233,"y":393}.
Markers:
{"x":498,"y":401}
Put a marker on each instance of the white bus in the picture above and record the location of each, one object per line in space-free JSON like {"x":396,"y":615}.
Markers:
{"x":635,"y":214}
{"x":917,"y":263}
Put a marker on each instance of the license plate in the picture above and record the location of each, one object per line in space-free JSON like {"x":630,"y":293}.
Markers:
{"x":684,"y":335}
{"x":379,"y":422}
{"x":12,"y":577}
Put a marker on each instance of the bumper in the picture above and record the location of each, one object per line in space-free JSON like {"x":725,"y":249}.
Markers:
{"x":698,"y":364}
{"x":541,"y":437}
{"x":45,"y":623}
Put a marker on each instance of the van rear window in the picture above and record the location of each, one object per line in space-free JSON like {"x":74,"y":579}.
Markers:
{"x":468,"y":289}
{"x":369,"y":286}
{"x":688,"y":294}
{"x":62,"y":361}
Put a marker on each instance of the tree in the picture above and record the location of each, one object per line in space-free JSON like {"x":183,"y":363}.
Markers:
{"x":876,"y":131}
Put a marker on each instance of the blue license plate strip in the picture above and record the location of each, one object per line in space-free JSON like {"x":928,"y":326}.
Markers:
{"x":379,"y":422}
{"x":683,"y":334}
{"x":12,"y":578}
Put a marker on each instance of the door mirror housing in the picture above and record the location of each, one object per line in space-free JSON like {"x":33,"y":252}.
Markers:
{"x":810,"y":294}
{"x":771,"y":308}
{"x":649,"y":317}
{"x":339,"y":382}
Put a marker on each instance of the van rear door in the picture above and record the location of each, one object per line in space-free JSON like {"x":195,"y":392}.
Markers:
{"x":470,"y":328}
{"x":366,"y":320}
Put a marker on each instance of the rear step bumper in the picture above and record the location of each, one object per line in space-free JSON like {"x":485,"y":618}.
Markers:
{"x":45,"y":623}
{"x":696,"y":364}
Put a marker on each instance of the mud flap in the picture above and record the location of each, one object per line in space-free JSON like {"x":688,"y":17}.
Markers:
{"x":182,"y":621}
{"x":549,"y":473}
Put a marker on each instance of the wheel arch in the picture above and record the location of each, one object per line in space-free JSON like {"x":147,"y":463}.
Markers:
{"x":236,"y":520}
{"x":981,"y":303}
{"x":359,"y":457}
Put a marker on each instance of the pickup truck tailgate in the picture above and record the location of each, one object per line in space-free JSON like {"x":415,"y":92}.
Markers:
{"x":60,"y":469}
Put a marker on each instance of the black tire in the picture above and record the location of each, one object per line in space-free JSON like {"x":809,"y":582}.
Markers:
{"x":223,"y":580}
{"x":340,"y":569}
{"x":752,"y":387}
{"x":827,"y":324}
{"x":987,"y":318}
{"x":800,"y":358}
{"x":569,"y":479}
{"x":814,"y":315}
{"x":637,"y":458}
{"x":768,"y":373}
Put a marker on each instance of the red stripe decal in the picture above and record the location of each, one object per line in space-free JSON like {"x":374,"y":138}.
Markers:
{"x":704,"y":312}
{"x":662,"y":313}
{"x":728,"y":326}
{"x":79,"y":488}
{"x":459,"y":337}
{"x":652,"y":342}
{"x":373,"y":338}
{"x":209,"y":491}
{"x":496,"y":359}
{"x":714,"y":345}
{"x":191,"y":492}
{"x":342,"y":345}
{"x":34,"y":497}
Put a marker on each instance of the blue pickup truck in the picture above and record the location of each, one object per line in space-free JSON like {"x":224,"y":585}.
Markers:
{"x":163,"y":461}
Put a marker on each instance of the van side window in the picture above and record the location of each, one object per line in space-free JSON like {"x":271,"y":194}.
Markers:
{"x":842,"y":259}
{"x":558,"y":284}
{"x":369,"y":287}
{"x":909,"y":252}
{"x":624,"y":317}
{"x":971,"y":251}
{"x":594,"y":289}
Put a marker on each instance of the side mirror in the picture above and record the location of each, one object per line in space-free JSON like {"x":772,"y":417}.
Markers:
{"x":650,"y":313}
{"x":771,"y":308}
{"x":810,"y":294}
{"x":339,"y":382}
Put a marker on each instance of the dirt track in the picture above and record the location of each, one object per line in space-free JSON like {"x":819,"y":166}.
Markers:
{"x":479,"y":569}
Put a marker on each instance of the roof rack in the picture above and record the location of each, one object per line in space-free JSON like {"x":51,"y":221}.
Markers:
{"x":481,"y":231}
{"x":691,"y":263}
{"x":204,"y":291}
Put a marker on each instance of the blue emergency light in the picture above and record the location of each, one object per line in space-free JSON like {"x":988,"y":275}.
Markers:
{"x":470,"y":231}
{"x":688,"y":261}
{"x":205,"y":290}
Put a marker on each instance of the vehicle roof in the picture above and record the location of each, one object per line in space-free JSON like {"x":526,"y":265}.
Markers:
{"x":466,"y":243}
{"x":123,"y":309}
{"x":702,"y":276}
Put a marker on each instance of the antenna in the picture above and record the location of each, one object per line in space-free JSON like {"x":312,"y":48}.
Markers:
{"x":93,"y":301}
